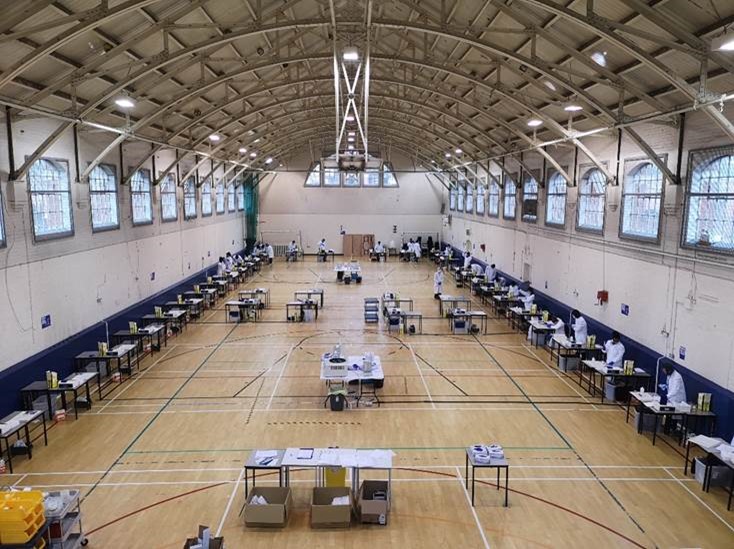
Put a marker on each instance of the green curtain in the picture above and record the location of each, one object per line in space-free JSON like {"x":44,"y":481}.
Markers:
{"x":251,"y":208}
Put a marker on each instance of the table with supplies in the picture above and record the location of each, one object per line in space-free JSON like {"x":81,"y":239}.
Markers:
{"x":174,"y":320}
{"x":568,"y":353}
{"x":118,"y":360}
{"x":74,"y":384}
{"x":261,"y":294}
{"x":502,"y":302}
{"x":539,"y":330}
{"x":299,"y":310}
{"x":447,"y":303}
{"x":194,"y":306}
{"x":468,"y":317}
{"x":519,"y":317}
{"x":352,"y":270}
{"x":243,"y":310}
{"x":412,"y":318}
{"x":718,"y":453}
{"x":482,"y":456}
{"x":154,"y":335}
{"x":389,"y":303}
{"x":219,"y":286}
{"x":209,"y":295}
{"x":649,"y":404}
{"x":19,"y":424}
{"x":364,"y":370}
{"x":636,"y":377}
{"x":307,"y":295}
{"x":487,"y":292}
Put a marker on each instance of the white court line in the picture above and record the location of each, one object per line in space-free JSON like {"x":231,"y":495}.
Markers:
{"x":717,"y":515}
{"x":555,"y":372}
{"x":474,"y":512}
{"x":280,"y":376}
{"x":423,"y":379}
{"x":21,"y":479}
{"x":229,"y":503}
{"x":139,"y":376}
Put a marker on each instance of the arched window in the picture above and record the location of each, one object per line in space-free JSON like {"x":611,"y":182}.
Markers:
{"x":452,"y":198}
{"x":469,"y":206}
{"x":388,"y":176}
{"x":206,"y":197}
{"x":220,"y":197}
{"x":169,"y":206}
{"x":231,"y":205}
{"x":481,"y":193}
{"x":592,"y":200}
{"x":529,"y":199}
{"x":555,"y":207}
{"x":103,"y":198}
{"x":510,"y":207}
{"x":50,"y":189}
{"x":142,"y":200}
{"x":240,"y":191}
{"x":710,"y":213}
{"x":460,"y":198}
{"x":493,"y":198}
{"x":641,"y":200}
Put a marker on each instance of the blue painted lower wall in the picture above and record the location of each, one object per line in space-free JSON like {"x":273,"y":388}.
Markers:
{"x":722,"y":399}
{"x":60,"y":357}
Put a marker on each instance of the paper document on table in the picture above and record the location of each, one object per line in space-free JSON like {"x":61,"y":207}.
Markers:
{"x":707,"y":443}
{"x":261,"y":454}
{"x":376,"y":459}
{"x":304,"y":453}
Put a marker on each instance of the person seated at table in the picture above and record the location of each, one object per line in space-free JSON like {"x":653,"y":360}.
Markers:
{"x":467,"y":259}
{"x":379,"y":250}
{"x":292,"y":251}
{"x":405,"y":252}
{"x":614,"y":351}
{"x":558,"y":326}
{"x":238,"y":259}
{"x":527,"y":297}
{"x":477,"y":269}
{"x":271,"y":253}
{"x":229,"y":261}
{"x":513,"y":291}
{"x":673,"y":388}
{"x":580,"y":328}
{"x":438,"y":282}
{"x":322,"y":250}
{"x":221,"y":267}
{"x":491,"y":273}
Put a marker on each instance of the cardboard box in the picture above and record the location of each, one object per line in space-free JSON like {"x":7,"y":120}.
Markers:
{"x":326,"y":515}
{"x":272,"y":515}
{"x":372,"y":511}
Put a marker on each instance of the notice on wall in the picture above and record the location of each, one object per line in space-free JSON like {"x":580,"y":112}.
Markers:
{"x":682,"y":353}
{"x":45,"y":321}
{"x":625,"y":309}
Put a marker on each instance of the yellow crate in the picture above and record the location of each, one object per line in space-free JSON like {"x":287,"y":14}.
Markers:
{"x":13,"y":535}
{"x":20,"y":506}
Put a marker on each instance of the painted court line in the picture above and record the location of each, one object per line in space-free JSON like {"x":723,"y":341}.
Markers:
{"x":703,"y":503}
{"x":229,"y":503}
{"x":280,"y":376}
{"x":423,"y":379}
{"x":460,"y":478}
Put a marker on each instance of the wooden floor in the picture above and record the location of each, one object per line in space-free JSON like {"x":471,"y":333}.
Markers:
{"x":164,"y":453}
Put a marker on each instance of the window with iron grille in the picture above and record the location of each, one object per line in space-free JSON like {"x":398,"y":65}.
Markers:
{"x":493,"y":198}
{"x":331,"y":177}
{"x":371,"y":177}
{"x":350,"y":179}
{"x":50,"y":190}
{"x":141,"y":197}
{"x":190,"y":198}
{"x":481,"y":193}
{"x":240,"y":190}
{"x":529,"y":198}
{"x":169,"y":206}
{"x":555,"y":206}
{"x":460,"y":198}
{"x":452,"y":198}
{"x":642,"y":198}
{"x":314,"y":176}
{"x":206,"y":197}
{"x":592,"y":201}
{"x":220,"y":197}
{"x":510,"y":205}
{"x":230,"y":198}
{"x":469,"y":206}
{"x":103,"y":198}
{"x":710,"y":201}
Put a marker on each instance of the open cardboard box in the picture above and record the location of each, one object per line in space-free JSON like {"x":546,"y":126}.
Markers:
{"x":272,"y":515}
{"x":372,"y":511}
{"x":326,"y":515}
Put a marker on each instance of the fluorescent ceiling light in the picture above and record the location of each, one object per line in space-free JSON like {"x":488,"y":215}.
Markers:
{"x":124,"y":102}
{"x":269,"y":160}
{"x":214,"y":137}
{"x":725,"y":42}
{"x":573,"y":107}
{"x":253,"y":154}
{"x":458,"y":151}
{"x":350,"y":118}
{"x":448,"y":155}
{"x":534,"y":123}
{"x":257,"y":140}
{"x":350,"y":54}
{"x":350,"y":147}
{"x":351,"y":134}
{"x":600,"y":58}
{"x":243,"y":150}
{"x":550,"y":85}
{"x":350,"y":138}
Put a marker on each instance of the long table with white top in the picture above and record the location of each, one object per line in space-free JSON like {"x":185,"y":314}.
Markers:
{"x":121,"y":358}
{"x":599,"y":368}
{"x":71,"y":384}
{"x":355,"y":372}
{"x":714,"y":448}
{"x":18,"y":424}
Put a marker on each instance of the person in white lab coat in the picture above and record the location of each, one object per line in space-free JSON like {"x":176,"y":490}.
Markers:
{"x":491,"y":273}
{"x":322,"y":250}
{"x":221,"y":267}
{"x":417,"y":250}
{"x":467,"y":259}
{"x":229,"y":261}
{"x":238,"y":259}
{"x":292,"y":251}
{"x":477,"y":269}
{"x":580,"y":328}
{"x":674,"y":386}
{"x":528,"y":298}
{"x":614,"y":350}
{"x":513,"y":290}
{"x":379,"y":247}
{"x":438,"y":282}
{"x":270,"y":252}
{"x":558,"y":325}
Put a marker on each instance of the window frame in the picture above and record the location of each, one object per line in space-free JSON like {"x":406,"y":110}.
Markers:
{"x":239,"y":191}
{"x":513,"y":178}
{"x":171,"y":177}
{"x":188,"y":217}
{"x":535,"y":177}
{"x":469,"y":193}
{"x":551,"y":174}
{"x":54,"y":236}
{"x":482,"y":185}
{"x":208,"y":182}
{"x":639,"y":163}
{"x":494,"y":182}
{"x":330,"y":169}
{"x":314,"y":166}
{"x":453,"y":191}
{"x":150,"y":199}
{"x":343,"y":177}
{"x":220,"y":186}
{"x":116,"y":226}
{"x":386,"y":168}
{"x":585,"y":170}
{"x":229,"y":196}
{"x":460,"y":197}
{"x":720,"y":152}
{"x":366,"y":176}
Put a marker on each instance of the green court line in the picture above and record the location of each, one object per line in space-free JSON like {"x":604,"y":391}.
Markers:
{"x":411,"y":448}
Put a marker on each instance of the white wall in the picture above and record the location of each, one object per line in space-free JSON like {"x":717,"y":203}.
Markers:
{"x":82,"y":279}
{"x":677,"y":297}
{"x":287,"y":206}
